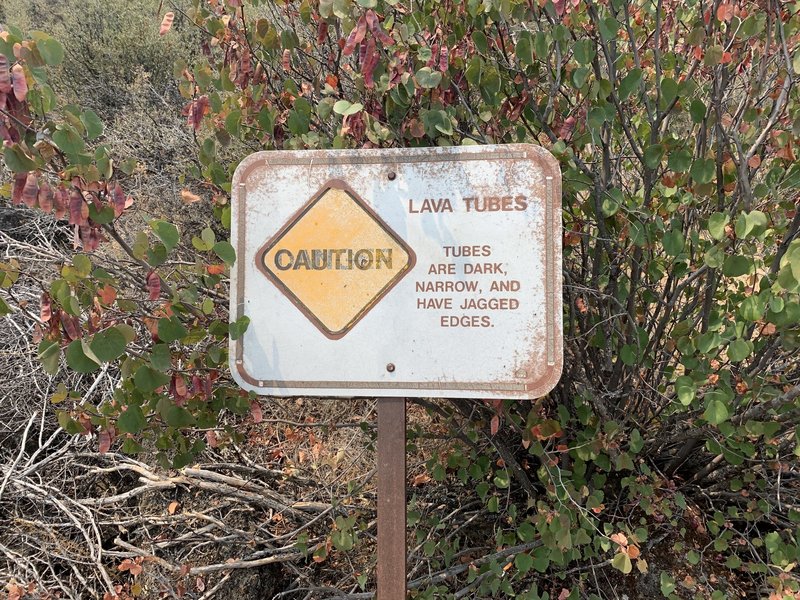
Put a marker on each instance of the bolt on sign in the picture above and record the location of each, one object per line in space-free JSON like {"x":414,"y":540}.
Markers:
{"x":430,"y":272}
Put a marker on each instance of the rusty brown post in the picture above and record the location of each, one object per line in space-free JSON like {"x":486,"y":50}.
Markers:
{"x":391,"y":499}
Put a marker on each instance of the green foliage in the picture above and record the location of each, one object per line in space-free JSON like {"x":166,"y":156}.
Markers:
{"x":678,"y":409}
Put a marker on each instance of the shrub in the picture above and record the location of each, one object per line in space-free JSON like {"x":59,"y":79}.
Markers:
{"x":674,"y":428}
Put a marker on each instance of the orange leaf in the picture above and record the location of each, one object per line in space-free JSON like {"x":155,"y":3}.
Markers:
{"x":215,"y":269}
{"x":166,"y":23}
{"x":754,"y":162}
{"x":19,"y":83}
{"x":173,"y":506}
{"x":619,"y":538}
{"x":725,"y":11}
{"x":633,"y":551}
{"x":495,"y":424}
{"x":188,"y":197}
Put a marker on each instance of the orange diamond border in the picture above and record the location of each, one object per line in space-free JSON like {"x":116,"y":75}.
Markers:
{"x":336,"y":184}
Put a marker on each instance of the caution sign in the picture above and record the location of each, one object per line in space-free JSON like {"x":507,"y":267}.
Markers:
{"x":423,"y":272}
{"x":335,"y":259}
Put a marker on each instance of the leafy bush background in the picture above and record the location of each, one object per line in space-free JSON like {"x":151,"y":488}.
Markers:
{"x":665,"y":461}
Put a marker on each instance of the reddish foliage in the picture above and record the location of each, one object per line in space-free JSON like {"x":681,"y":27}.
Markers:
{"x":78,"y":209}
{"x":46,"y":305}
{"x":105,"y":437}
{"x":71,"y":326}
{"x":166,"y":23}
{"x":19,"y":83}
{"x":118,"y":199}
{"x":356,"y":36}
{"x":153,"y":285}
{"x":5,"y":75}
{"x":322,"y":32}
{"x":61,"y":202}
{"x":46,"y":198}
{"x":30,"y":191}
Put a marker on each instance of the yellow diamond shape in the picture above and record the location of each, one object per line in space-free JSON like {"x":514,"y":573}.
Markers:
{"x":335,"y":259}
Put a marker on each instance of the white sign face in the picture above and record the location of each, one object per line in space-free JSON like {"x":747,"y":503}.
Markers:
{"x":430,"y":272}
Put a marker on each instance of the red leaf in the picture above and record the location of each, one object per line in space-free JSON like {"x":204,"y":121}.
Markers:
{"x":369,"y":62}
{"x":322,"y":32}
{"x":19,"y":185}
{"x":356,"y":36}
{"x":118,"y":199}
{"x":255,"y":412}
{"x":5,"y":75}
{"x":154,"y":285}
{"x":725,"y":11}
{"x":107,"y":295}
{"x":71,"y":326}
{"x":30,"y":191}
{"x":78,"y":209}
{"x":19,"y":83}
{"x":105,"y":437}
{"x":61,"y":201}
{"x":46,"y":198}
{"x":166,"y":23}
{"x":46,"y":310}
{"x":377,"y":30}
{"x":198,"y":109}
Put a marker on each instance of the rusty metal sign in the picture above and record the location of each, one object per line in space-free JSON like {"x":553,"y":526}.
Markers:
{"x":429,"y":272}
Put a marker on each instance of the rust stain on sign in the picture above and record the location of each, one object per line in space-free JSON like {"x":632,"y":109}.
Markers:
{"x":335,"y":259}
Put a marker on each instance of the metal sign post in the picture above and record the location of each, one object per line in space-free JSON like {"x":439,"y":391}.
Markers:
{"x":392,"y":498}
{"x":413,"y":272}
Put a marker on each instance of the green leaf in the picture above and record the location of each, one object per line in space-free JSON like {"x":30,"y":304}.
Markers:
{"x":49,"y":48}
{"x":669,"y":91}
{"x":622,"y":562}
{"x":679,"y":161}
{"x":716,"y":225}
{"x":171,"y":329}
{"x":226,"y":252}
{"x":131,"y":420}
{"x":716,"y":412}
{"x":166,"y":232}
{"x":428,"y":78}
{"x":525,"y":48}
{"x":697,"y":110}
{"x":174,"y":415}
{"x":77,"y":359}
{"x":667,"y":584}
{"x":93,"y":124}
{"x":629,"y":83}
{"x":68,"y":140}
{"x":653,"y":155}
{"x":480,"y":41}
{"x":523,"y":562}
{"x":17,"y":161}
{"x":108,"y":344}
{"x":738,"y":350}
{"x":703,"y":170}
{"x":737,"y":265}
{"x":345,"y":108}
{"x":238,"y":327}
{"x":49,"y":354}
{"x":147,"y":379}
{"x":685,"y":389}
{"x":673,"y":242}
{"x":584,"y":51}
